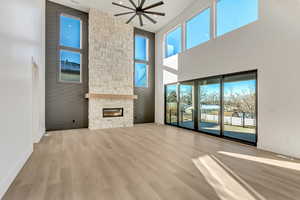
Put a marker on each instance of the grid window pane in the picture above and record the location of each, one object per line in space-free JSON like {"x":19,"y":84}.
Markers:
{"x":173,"y":42}
{"x":70,"y":32}
{"x":141,"y":75}
{"x":70,"y":66}
{"x":233,"y":14}
{"x":198,"y":29}
{"x":141,"y":45}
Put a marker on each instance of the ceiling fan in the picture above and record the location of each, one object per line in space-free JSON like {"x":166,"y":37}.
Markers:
{"x":140,"y":11}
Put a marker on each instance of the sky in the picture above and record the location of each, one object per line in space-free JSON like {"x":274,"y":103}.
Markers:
{"x":70,"y":30}
{"x":233,"y":14}
{"x":198,"y":29}
{"x":240,"y":87}
{"x":140,"y":75}
{"x":141,"y":48}
{"x":70,"y":56}
{"x":236,"y":87}
{"x":174,"y":42}
{"x":186,"y":89}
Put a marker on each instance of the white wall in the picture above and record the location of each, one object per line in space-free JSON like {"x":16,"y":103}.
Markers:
{"x":21,"y":36}
{"x":271,"y":45}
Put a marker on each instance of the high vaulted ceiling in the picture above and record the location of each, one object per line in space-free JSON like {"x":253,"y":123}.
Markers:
{"x":172,"y":8}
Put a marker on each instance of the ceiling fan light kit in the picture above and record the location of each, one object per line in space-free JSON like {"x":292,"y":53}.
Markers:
{"x":140,"y":11}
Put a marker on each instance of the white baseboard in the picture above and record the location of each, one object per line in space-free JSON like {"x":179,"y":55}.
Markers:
{"x":12,"y":174}
{"x":39,"y":137}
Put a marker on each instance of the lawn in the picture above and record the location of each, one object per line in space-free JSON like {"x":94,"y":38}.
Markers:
{"x":68,"y":77}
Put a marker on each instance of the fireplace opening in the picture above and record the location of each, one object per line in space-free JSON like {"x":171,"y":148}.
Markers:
{"x":113,"y":112}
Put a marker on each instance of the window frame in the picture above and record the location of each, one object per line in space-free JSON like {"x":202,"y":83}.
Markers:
{"x":146,"y":62}
{"x":66,"y":48}
{"x":181,"y":40}
{"x":210,"y":26}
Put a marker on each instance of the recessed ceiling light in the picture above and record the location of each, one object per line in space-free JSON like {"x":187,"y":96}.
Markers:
{"x":121,"y":2}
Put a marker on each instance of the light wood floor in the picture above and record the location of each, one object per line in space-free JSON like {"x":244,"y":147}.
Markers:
{"x":150,"y":162}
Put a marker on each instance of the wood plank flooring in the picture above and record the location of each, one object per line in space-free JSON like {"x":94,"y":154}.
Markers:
{"x":151,"y":162}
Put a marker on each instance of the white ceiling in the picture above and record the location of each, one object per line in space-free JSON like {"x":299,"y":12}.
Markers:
{"x":172,"y":8}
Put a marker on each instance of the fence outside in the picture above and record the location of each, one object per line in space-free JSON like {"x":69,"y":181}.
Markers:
{"x":234,"y":121}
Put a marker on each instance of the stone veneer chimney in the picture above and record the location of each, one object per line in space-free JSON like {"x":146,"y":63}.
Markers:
{"x":110,"y":68}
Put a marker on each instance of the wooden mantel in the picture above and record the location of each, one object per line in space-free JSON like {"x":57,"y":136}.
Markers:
{"x":110,"y":96}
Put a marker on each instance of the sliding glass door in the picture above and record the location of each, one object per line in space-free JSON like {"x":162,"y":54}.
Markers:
{"x":224,"y":106}
{"x":209,"y":95}
{"x":186,"y":105}
{"x":240,"y":107}
{"x":171,"y":105}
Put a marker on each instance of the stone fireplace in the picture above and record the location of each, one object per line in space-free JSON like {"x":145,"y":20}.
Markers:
{"x":110,"y":71}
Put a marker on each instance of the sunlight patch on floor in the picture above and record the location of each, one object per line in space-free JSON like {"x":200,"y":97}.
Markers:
{"x":267,"y":161}
{"x":224,"y":181}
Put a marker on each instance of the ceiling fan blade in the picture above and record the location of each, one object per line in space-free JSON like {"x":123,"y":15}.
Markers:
{"x":154,"y":5}
{"x":141,"y":20}
{"x":142,"y":3}
{"x":120,"y":5}
{"x":132,"y":3}
{"x":155,"y":13}
{"x":150,"y":19}
{"x":125,"y":13}
{"x":131,"y":18}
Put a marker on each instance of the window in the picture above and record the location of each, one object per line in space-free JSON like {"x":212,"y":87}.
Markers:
{"x":233,"y":14}
{"x":70,"y":49}
{"x":141,"y":75}
{"x":226,"y":106}
{"x":141,"y":61}
{"x":198,"y":29}
{"x":228,"y":15}
{"x":141,"y":48}
{"x":173,"y":42}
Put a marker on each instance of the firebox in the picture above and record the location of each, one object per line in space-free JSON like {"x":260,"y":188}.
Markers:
{"x":113,"y":112}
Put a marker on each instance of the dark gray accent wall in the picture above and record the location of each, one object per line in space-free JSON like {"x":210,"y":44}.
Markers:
{"x":66,"y":107}
{"x":144,"y":106}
